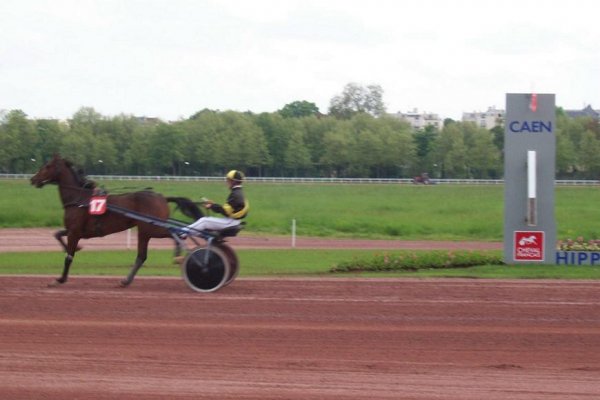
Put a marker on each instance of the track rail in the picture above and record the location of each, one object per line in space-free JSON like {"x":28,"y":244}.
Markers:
{"x":558,"y":182}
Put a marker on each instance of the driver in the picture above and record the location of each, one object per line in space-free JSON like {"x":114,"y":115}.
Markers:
{"x":234,"y":210}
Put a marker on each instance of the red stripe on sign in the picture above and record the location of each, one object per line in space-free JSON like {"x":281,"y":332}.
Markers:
{"x":533,"y":103}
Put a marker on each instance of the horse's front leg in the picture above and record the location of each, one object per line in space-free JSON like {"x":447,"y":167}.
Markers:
{"x":59,"y":235}
{"x":142,"y":254}
{"x":70,"y":248}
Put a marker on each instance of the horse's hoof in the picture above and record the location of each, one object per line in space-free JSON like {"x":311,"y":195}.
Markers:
{"x":124,"y":283}
{"x":55,"y":283}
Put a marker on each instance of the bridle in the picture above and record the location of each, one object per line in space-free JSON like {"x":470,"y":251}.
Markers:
{"x":53,"y":178}
{"x":78,"y":187}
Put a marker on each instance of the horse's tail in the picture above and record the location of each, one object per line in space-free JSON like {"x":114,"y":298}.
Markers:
{"x":187,"y":207}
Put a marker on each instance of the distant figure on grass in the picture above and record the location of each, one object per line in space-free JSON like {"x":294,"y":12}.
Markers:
{"x":422,"y":179}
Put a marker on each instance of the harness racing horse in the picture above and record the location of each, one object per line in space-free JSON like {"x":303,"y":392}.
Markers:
{"x":75,"y":194}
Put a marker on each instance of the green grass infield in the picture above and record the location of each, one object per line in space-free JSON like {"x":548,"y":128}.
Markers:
{"x":393,"y":211}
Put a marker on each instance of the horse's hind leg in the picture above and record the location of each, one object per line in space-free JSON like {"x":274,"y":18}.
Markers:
{"x":178,"y":249}
{"x":139,"y":260}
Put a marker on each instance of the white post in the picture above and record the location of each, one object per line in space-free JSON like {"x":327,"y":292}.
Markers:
{"x":531,"y":188}
{"x":128,"y":238}
{"x":294,"y":232}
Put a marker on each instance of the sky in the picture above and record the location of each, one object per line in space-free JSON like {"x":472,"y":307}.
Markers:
{"x":172,"y":58}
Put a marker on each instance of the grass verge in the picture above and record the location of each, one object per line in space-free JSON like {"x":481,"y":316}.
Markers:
{"x":277,"y":263}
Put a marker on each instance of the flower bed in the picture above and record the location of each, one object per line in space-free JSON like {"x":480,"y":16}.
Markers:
{"x":413,"y":261}
{"x":579,"y":244}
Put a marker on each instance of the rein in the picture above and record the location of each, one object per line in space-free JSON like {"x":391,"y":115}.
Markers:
{"x":79,"y":193}
{"x":80,"y":201}
{"x":127,"y":189}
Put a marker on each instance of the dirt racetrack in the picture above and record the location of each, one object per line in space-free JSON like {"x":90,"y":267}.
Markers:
{"x":334,"y":338}
{"x":24,"y":239}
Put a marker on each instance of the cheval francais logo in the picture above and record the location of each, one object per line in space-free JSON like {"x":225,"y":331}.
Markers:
{"x":529,"y":246}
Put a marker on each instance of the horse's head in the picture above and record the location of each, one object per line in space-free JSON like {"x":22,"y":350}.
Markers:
{"x":49,"y":173}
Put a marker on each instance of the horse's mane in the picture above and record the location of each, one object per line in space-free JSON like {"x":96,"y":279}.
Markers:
{"x":79,"y":175}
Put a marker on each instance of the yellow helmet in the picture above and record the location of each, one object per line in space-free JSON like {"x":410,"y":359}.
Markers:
{"x":235,"y":175}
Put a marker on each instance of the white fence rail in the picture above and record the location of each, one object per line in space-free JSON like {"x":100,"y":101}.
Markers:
{"x":558,"y":182}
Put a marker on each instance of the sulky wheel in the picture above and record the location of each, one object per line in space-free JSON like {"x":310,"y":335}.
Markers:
{"x":234,"y":262}
{"x":206,"y":270}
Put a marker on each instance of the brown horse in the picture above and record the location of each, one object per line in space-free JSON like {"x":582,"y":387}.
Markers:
{"x":75,"y":193}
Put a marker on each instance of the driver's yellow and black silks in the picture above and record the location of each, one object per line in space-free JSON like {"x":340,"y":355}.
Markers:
{"x":236,"y":206}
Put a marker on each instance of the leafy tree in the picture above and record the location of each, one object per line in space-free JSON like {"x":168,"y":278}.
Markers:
{"x":206,"y":153}
{"x":277,"y":131}
{"x":424,"y":141}
{"x":362,"y":146}
{"x":574,"y":128}
{"x":296,"y":156}
{"x":398,"y":154}
{"x":50,"y":134}
{"x":226,"y":140}
{"x":86,"y":118}
{"x":366,"y":146}
{"x":75,"y":146}
{"x":202,"y":113}
{"x":249,"y":150}
{"x":566,"y":155}
{"x":79,"y":140}
{"x":210,"y":142}
{"x":337,"y":151}
{"x":18,"y":142}
{"x":299,"y":109}
{"x":103,"y":156}
{"x":498,"y":135}
{"x":484,"y":156}
{"x":452,"y":152}
{"x":314,"y":133}
{"x":7,"y":145}
{"x":136,"y":156}
{"x":358,"y":99}
{"x":448,"y":121}
{"x":569,"y":134}
{"x":166,"y":149}
{"x":119,"y":131}
{"x":590,"y":148}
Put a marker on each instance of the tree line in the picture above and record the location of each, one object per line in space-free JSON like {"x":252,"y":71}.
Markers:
{"x":294,"y":141}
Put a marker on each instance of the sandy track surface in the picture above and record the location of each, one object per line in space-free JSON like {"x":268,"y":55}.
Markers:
{"x":300,"y":339}
{"x":295,"y":338}
{"x":42,"y":239}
